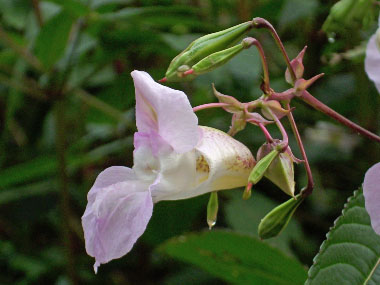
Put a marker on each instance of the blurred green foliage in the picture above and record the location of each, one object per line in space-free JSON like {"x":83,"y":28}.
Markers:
{"x":72,"y":58}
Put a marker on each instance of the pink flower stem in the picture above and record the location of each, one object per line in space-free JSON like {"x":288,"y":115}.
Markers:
{"x":318,"y":105}
{"x":262,"y":23}
{"x":266,"y":133}
{"x":310,"y":182}
{"x":209,"y":105}
{"x":266,"y":87}
{"x":285,"y":139}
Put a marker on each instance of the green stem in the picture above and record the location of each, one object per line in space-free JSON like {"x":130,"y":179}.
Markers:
{"x":24,"y":53}
{"x":37,"y":12}
{"x":98,"y":104}
{"x":60,"y":129}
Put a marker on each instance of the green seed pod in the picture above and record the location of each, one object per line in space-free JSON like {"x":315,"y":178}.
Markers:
{"x":277,"y":219}
{"x":212,"y":209}
{"x":262,"y":166}
{"x":217,"y":59}
{"x":203,"y":47}
{"x":281,"y":170}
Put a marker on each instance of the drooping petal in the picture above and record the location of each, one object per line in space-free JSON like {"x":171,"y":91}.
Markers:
{"x":372,"y":61}
{"x":109,"y":176}
{"x":165,"y":111}
{"x":218,"y":162}
{"x":115,"y":218}
{"x":371,"y":192}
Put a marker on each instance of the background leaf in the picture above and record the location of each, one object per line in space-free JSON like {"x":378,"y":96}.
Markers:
{"x":52,"y":39}
{"x":236,"y":258}
{"x":351,"y":252}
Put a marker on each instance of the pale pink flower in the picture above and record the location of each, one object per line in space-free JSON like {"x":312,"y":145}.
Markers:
{"x":372,"y":59}
{"x":174,"y":158}
{"x":371,"y":191}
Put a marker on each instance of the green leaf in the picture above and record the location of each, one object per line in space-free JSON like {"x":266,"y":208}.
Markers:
{"x":74,"y":7}
{"x":236,"y":258}
{"x":351,"y":252}
{"x":46,"y":165}
{"x":52,"y":39}
{"x":245,"y":216}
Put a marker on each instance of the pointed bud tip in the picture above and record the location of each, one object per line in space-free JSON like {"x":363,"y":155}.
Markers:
{"x":163,"y":80}
{"x":190,"y":71}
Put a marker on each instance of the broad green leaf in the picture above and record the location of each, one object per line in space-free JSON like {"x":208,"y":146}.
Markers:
{"x":52,"y":39}
{"x":245,"y":216}
{"x":35,"y":189}
{"x":46,"y":165}
{"x":236,"y":258}
{"x":351,"y":252}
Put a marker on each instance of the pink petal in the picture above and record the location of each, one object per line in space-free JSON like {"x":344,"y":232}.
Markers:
{"x":115,"y":218}
{"x":371,"y":191}
{"x":165,"y":111}
{"x":109,"y":176}
{"x":372,"y":62}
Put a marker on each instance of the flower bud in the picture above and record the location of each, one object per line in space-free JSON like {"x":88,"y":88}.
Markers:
{"x":276,"y":108}
{"x":281,"y":170}
{"x":203,"y":47}
{"x":238,"y":123}
{"x":234,"y":105}
{"x":277,"y":219}
{"x":212,"y":209}
{"x":297,"y":66}
{"x":261,"y":167}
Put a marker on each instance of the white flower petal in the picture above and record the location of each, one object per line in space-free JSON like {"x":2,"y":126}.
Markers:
{"x":218,"y":162}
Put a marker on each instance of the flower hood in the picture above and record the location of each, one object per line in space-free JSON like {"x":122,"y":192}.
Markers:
{"x":372,"y":59}
{"x":174,"y":158}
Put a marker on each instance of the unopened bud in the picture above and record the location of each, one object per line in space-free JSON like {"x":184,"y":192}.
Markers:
{"x":203,"y":47}
{"x":234,"y":106}
{"x":298,"y":67}
{"x":302,"y":84}
{"x":248,"y":191}
{"x":276,"y":109}
{"x":212,"y":209}
{"x":277,"y":219}
{"x":238,"y":123}
{"x":262,"y":166}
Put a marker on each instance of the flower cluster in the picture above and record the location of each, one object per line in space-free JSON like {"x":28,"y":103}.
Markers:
{"x":174,"y":158}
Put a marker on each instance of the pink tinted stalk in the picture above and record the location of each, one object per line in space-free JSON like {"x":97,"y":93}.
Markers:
{"x":262,"y":23}
{"x":259,"y":47}
{"x":285,"y":139}
{"x":310,"y":182}
{"x":318,"y":105}
{"x":209,"y":105}
{"x":266,"y":133}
